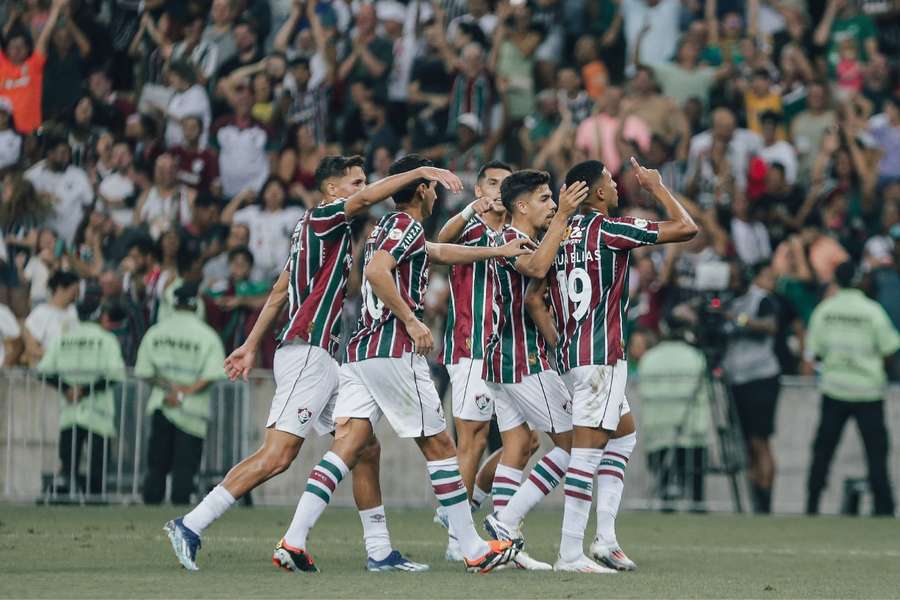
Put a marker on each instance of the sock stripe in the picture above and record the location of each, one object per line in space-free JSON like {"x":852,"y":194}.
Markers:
{"x":332,"y":468}
{"x":581,"y":473}
{"x":553,"y":467}
{"x":313,"y":489}
{"x":585,"y":485}
{"x":445,"y":474}
{"x":499,"y":503}
{"x":608,"y":462}
{"x":540,"y":485}
{"x":579,"y":495}
{"x":550,"y":480}
{"x":621,"y":457}
{"x":454,"y":500}
{"x":446,"y":488}
{"x":503,"y":492}
{"x":506,"y":480}
{"x":611,"y":472}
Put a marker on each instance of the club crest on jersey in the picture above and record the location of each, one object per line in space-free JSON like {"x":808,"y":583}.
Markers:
{"x":532,"y":359}
{"x":642,"y":223}
{"x":304,"y":415}
{"x":395,"y":234}
{"x":482,"y":402}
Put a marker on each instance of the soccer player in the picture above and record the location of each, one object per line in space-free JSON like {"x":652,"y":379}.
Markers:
{"x":589,"y":294}
{"x":468,"y":328}
{"x":313,"y":284}
{"x":386,"y":374}
{"x":528,"y":393}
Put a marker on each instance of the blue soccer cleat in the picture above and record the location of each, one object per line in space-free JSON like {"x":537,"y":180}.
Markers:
{"x":395,"y":562}
{"x":185,"y":543}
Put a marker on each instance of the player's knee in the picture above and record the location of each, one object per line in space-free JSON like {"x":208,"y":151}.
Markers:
{"x":371,"y":452}
{"x":625,"y":444}
{"x":534,"y":444}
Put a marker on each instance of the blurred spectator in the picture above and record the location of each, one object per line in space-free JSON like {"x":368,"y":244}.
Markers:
{"x":736,"y":146}
{"x":45,"y":260}
{"x":841,"y":21}
{"x":119,"y":188}
{"x":189,"y":99}
{"x":198,"y":166}
{"x":10,"y":139}
{"x":125,"y":318}
{"x":166,"y":205}
{"x":83,"y":133}
{"x":512,"y":60}
{"x":686,"y":77}
{"x":751,"y":238}
{"x":810,"y":126}
{"x":606,"y":135}
{"x":593,"y":72}
{"x":201,"y":54}
{"x":761,"y":97}
{"x":852,"y":384}
{"x":181,"y":358}
{"x":83,"y":364}
{"x":66,"y":185}
{"x":885,"y":128}
{"x":662,"y":115}
{"x":51,"y":319}
{"x":10,"y":332}
{"x":370,"y":58}
{"x":66,"y":66}
{"x":216,"y":270}
{"x":233,"y":305}
{"x":472,"y":90}
{"x":218,"y":33}
{"x":651,"y":29}
{"x":776,"y":150}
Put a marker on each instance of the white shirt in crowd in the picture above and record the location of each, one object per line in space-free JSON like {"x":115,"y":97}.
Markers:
{"x":10,"y":148}
{"x":270,"y":237}
{"x":118,"y":188}
{"x":751,"y":241}
{"x":782,"y":152}
{"x":658,"y":45}
{"x":71,"y":190}
{"x":38,"y":274}
{"x":162,"y":213}
{"x":243,"y":158}
{"x":192,"y":101}
{"x":47,"y":322}
{"x":9,"y":329}
{"x":744,"y":145}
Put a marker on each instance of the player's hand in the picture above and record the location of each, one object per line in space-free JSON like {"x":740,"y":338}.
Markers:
{"x":239,"y":362}
{"x":571,"y":197}
{"x":443,"y":177}
{"x":517,"y":247}
{"x":421,"y":336}
{"x":482,"y":205}
{"x":649,"y":179}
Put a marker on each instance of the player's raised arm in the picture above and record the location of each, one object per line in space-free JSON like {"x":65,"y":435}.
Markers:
{"x":537,"y":264}
{"x":539,"y":312}
{"x":385,"y":188}
{"x":681,"y":226}
{"x":455,"y":254}
{"x":379,"y":274}
{"x":453,"y":229}
{"x":239,"y":362}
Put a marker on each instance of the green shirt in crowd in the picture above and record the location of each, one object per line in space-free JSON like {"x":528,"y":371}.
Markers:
{"x":852,"y":335}
{"x":672,"y":385}
{"x":86,"y":355}
{"x":183,"y":350}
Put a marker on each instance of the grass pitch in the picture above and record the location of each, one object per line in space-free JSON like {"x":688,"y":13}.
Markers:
{"x":102,"y":552}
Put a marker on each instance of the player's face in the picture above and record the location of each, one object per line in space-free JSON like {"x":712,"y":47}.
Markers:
{"x":428,"y":197}
{"x":538,"y":207}
{"x":608,"y":189}
{"x":488,"y":187}
{"x":354,"y":181}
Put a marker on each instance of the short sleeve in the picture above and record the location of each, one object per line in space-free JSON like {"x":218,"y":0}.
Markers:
{"x":35,"y":324}
{"x":403,"y":238}
{"x":143,"y":366}
{"x":50,"y":361}
{"x":475,"y":234}
{"x":328,"y":219}
{"x":626,"y":233}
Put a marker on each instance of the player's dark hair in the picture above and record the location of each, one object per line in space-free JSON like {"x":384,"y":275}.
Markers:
{"x":494,"y":164}
{"x":405,"y":164}
{"x":590,"y":172}
{"x":336,"y":166}
{"x":61,"y":279}
{"x":521,"y":182}
{"x":241,"y":251}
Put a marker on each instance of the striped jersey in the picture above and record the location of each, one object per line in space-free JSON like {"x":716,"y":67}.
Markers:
{"x":469,"y":316}
{"x":318,"y":266}
{"x":516,"y":348}
{"x":378,"y":333}
{"x":589,"y":287}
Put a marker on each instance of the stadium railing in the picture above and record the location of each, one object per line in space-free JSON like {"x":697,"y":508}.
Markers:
{"x":30,"y":464}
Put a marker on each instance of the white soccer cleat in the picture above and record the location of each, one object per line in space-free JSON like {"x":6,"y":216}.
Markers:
{"x":611,"y":555}
{"x":524,"y":561}
{"x":581,"y":565}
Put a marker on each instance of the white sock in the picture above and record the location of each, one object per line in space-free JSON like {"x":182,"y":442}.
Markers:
{"x":542,"y":480}
{"x":578,"y":485}
{"x":210,"y":508}
{"x":320,"y":486}
{"x":478,"y":496}
{"x":611,"y":484}
{"x":451,"y":493}
{"x":375,"y":533}
{"x":505,"y":485}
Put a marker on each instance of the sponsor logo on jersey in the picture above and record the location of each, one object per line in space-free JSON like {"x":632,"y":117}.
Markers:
{"x":395,"y":234}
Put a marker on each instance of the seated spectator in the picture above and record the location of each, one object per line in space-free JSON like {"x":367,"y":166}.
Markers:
{"x":270,"y":222}
{"x":51,"y":319}
{"x":66,"y":185}
{"x":141,"y":271}
{"x":198,"y":167}
{"x":166,"y":204}
{"x":233,"y":305}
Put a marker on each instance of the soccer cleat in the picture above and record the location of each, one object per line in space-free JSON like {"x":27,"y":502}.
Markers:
{"x":612,"y":556}
{"x":395,"y":562}
{"x":293,"y":559}
{"x":453,"y":552}
{"x":581,"y":565}
{"x":524,"y":561}
{"x":500,"y":553}
{"x":185,"y":543}
{"x":499,"y":530}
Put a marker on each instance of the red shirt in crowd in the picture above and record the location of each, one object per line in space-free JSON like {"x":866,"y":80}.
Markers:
{"x":23,"y":85}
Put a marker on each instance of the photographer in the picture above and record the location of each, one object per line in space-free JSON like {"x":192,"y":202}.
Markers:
{"x":672,"y":385}
{"x":751,"y":368}
{"x":852,"y":336}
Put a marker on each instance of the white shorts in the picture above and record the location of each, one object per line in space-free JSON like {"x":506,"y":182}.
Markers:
{"x":306,"y":386}
{"x":598,"y":395}
{"x":541,"y":400}
{"x":401,"y":389}
{"x":472,"y":400}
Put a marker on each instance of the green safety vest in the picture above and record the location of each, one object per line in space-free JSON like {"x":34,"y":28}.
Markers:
{"x":82,"y":356}
{"x":182,"y":349}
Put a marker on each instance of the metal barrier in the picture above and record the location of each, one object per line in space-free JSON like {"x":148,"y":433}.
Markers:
{"x":30,"y":465}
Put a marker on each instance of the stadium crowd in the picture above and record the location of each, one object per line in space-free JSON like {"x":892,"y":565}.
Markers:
{"x":148,"y":143}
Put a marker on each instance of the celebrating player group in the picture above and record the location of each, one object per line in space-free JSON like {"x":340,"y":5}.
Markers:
{"x":534,"y":337}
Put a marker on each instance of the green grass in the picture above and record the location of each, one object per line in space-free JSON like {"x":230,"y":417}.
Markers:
{"x":101,"y":552}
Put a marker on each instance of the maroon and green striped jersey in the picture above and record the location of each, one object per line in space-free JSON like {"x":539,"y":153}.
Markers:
{"x":516,"y":348}
{"x":318,"y":266}
{"x":378,"y":333}
{"x":589,"y":287}
{"x":470,"y":314}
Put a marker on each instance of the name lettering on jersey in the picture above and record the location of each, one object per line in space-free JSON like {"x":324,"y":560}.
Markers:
{"x":577,"y":256}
